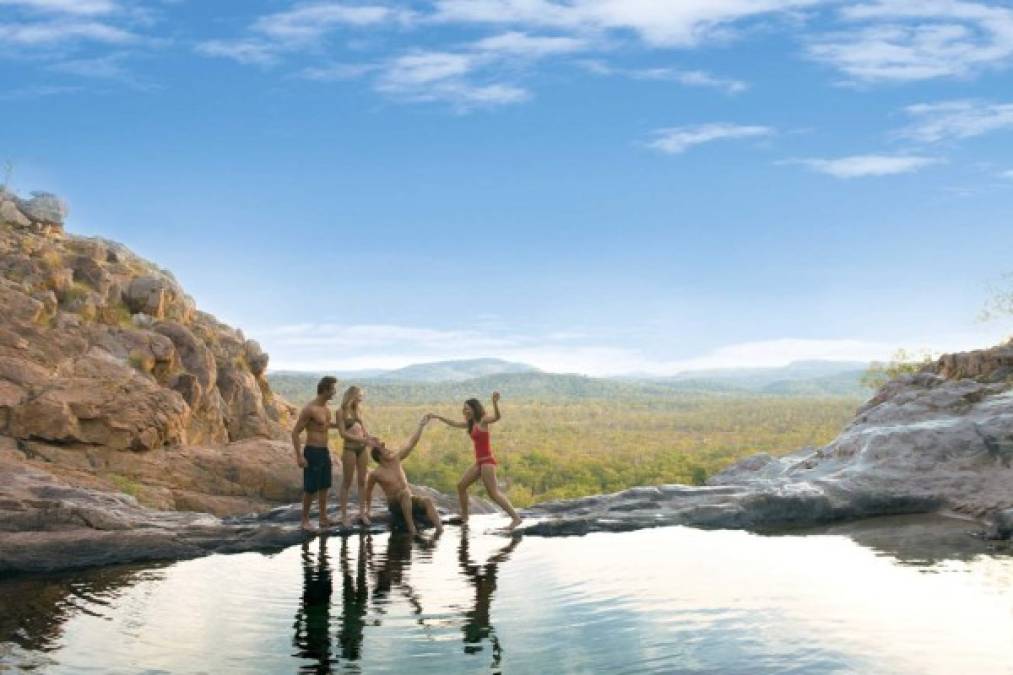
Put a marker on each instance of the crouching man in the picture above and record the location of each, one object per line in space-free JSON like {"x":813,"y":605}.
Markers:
{"x":405,"y":508}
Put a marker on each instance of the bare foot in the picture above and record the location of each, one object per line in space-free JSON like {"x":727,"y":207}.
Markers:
{"x":346,"y":521}
{"x":514,"y":523}
{"x":324,"y":523}
{"x":307,"y":527}
{"x":439,"y":528}
{"x":365,"y":519}
{"x":413,"y":532}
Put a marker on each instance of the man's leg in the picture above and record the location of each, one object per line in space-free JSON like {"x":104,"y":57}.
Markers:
{"x":322,"y":505}
{"x":307,"y":499}
{"x":432,"y":514}
{"x":406,"y":511}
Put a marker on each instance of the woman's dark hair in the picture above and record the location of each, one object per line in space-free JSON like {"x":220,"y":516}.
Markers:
{"x":375,"y":454}
{"x":477,"y":412}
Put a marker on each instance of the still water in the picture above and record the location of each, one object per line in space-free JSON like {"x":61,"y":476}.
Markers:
{"x":897,"y":595}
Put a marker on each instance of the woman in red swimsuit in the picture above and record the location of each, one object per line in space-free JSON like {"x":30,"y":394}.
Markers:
{"x":477,"y":422}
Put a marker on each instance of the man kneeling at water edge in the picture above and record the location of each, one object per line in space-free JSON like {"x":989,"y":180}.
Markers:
{"x":404,"y":506}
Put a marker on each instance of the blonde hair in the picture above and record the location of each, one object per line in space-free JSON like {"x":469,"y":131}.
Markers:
{"x":349,"y":406}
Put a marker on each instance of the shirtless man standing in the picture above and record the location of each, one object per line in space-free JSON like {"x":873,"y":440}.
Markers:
{"x":315,"y":458}
{"x":403,"y":505}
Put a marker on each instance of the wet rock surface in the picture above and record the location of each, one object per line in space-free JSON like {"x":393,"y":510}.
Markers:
{"x":924,"y":443}
{"x":47,"y":525}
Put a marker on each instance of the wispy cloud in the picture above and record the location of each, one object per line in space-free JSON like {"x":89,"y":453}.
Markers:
{"x":309,"y":22}
{"x":273,"y":35}
{"x":955,"y":120}
{"x":676,"y":140}
{"x":246,"y":52}
{"x":489,"y":70}
{"x":38,"y":91}
{"x":1008,"y":174}
{"x":688,"y":78}
{"x":318,"y":347}
{"x":859,"y":166}
{"x":661,"y":24}
{"x":910,"y":40}
{"x":78,"y":7}
{"x":50,"y":33}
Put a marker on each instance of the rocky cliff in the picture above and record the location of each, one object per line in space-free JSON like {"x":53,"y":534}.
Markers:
{"x":938,"y":440}
{"x":110,"y":376}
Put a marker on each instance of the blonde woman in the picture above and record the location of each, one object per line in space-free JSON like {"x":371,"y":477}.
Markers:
{"x":354,"y":459}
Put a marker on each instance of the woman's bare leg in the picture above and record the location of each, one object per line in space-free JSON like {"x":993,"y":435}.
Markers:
{"x":489,"y":480}
{"x":469,"y":477}
{"x":347,"y":474}
{"x":361,"y":471}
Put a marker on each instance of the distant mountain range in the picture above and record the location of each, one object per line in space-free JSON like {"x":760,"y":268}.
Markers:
{"x":454,"y":380}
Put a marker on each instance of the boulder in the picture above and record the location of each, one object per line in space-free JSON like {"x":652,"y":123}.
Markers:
{"x":98,"y":400}
{"x":244,"y":412}
{"x":194,"y":354}
{"x":44,"y":207}
{"x":148,"y":295}
{"x":1000,"y":525}
{"x":16,"y":305}
{"x":11,"y":215}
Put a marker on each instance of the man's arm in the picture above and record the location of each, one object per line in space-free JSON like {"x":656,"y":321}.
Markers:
{"x":414,"y":440}
{"x":452,"y":423}
{"x":367,"y":498}
{"x":300,"y":425}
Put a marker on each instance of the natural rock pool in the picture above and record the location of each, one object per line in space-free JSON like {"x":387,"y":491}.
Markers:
{"x":911,"y":594}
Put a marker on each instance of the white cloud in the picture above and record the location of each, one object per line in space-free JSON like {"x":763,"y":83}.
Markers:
{"x":78,"y":7}
{"x":689,"y":78}
{"x":1008,"y":174}
{"x":528,"y":46}
{"x":908,"y":40}
{"x":317,"y":347}
{"x":947,"y":120}
{"x":858,"y":166}
{"x":676,"y":140}
{"x":56,"y":32}
{"x":664,"y":24}
{"x":274,"y":35}
{"x":241,"y":51}
{"x":309,"y":22}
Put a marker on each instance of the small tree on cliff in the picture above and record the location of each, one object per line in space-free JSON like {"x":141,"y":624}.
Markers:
{"x":903,"y":362}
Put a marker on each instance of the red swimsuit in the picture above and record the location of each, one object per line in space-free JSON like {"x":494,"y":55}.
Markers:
{"x":483,"y":449}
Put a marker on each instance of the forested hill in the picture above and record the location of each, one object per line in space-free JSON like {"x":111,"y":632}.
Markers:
{"x":300,"y":387}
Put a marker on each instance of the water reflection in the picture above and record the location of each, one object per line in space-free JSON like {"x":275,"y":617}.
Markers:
{"x":313,"y":618}
{"x":354,"y":599}
{"x":897,"y":594}
{"x":478,"y":621}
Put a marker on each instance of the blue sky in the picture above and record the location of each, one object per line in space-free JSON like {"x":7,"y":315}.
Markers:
{"x":597,"y":186}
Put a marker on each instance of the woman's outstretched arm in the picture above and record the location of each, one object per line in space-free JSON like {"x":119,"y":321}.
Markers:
{"x":495,"y":416}
{"x":448,"y":422}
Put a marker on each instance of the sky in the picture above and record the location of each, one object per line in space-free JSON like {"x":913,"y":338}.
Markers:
{"x":592,"y":186}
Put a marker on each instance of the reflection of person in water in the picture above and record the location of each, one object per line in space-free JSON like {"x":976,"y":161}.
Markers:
{"x":354,"y":600}
{"x":391,"y":574}
{"x":478,"y":624}
{"x":313,"y":618}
